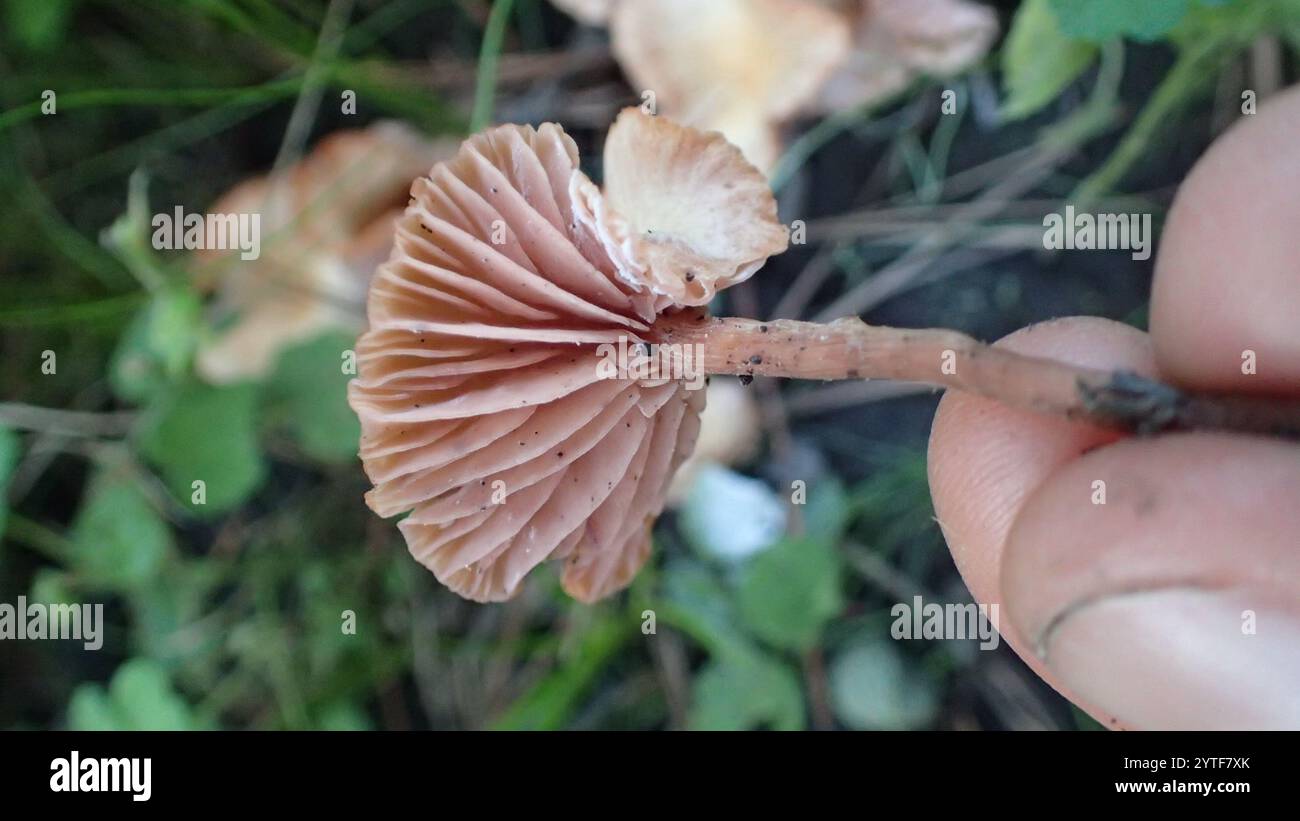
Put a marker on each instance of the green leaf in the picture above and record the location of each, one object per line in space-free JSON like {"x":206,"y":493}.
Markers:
{"x":873,"y":688}
{"x":741,"y":687}
{"x":51,"y":586}
{"x":119,"y":539}
{"x":140,"y":697}
{"x":789,"y":592}
{"x":37,"y":25}
{"x":1231,"y":25}
{"x":8,"y":461}
{"x":1038,"y":60}
{"x":308,"y":395}
{"x":143,"y":693}
{"x":90,"y":708}
{"x":175,"y":316}
{"x":199,"y":433}
{"x":826,"y":515}
{"x":166,"y":619}
{"x":1101,"y":20}
{"x":742,"y":691}
{"x":344,"y":716}
{"x":133,"y":372}
{"x":700,"y":606}
{"x":158,"y":346}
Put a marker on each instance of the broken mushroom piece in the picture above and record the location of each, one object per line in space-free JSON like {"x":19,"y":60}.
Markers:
{"x":681,"y":211}
{"x":486,"y":406}
{"x":326,"y":223}
{"x":742,"y":67}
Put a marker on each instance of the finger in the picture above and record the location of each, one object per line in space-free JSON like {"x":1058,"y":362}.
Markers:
{"x":985,"y":458}
{"x":1175,"y":602}
{"x":1227,"y":282}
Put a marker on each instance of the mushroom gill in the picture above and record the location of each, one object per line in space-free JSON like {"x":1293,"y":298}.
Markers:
{"x":484,"y":408}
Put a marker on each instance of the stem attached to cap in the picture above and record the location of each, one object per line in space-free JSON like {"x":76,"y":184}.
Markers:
{"x":851,"y":349}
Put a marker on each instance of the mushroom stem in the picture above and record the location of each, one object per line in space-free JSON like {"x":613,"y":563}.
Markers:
{"x":852,"y":349}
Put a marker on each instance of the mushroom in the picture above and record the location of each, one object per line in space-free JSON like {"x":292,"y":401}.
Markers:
{"x":741,"y":67}
{"x":487,"y":410}
{"x":744,"y":67}
{"x":327,"y":222}
{"x":484,"y":408}
{"x":895,"y":40}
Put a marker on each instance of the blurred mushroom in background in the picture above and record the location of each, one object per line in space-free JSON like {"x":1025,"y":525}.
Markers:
{"x":589,"y":12}
{"x":327,"y":223}
{"x":742,"y":67}
{"x":894,"y":41}
{"x":746,"y":67}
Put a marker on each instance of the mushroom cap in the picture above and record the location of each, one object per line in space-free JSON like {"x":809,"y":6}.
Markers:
{"x":894,"y":40}
{"x":326,"y":223}
{"x":737,"y":66}
{"x":484,"y":407}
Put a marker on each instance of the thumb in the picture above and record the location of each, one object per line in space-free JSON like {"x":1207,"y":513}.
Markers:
{"x":1173,"y":602}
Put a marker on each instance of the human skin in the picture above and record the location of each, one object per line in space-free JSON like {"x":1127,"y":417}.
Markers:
{"x":1176,"y":603}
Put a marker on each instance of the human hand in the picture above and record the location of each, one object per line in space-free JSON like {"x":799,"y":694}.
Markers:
{"x":1176,"y":603}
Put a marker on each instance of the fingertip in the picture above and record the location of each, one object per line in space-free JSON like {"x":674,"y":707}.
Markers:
{"x":1158,"y":582}
{"x":1227,"y":281}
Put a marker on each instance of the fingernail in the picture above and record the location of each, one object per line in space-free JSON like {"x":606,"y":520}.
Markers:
{"x":1182,"y":658}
